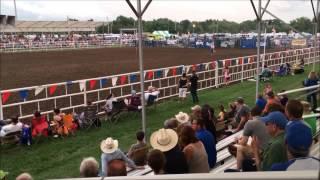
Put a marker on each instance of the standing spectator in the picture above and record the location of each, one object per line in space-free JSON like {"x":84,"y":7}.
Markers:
{"x":275,"y":151}
{"x":171,"y":123}
{"x":138,"y":152}
{"x":14,"y":126}
{"x":110,"y":151}
{"x":298,"y":141}
{"x":194,"y":151}
{"x":226,"y":73}
{"x":212,"y":47}
{"x":183,"y":118}
{"x":312,"y":94}
{"x":117,"y":167}
{"x":166,"y":140}
{"x":207,"y":139}
{"x":194,"y":86}
{"x":157,"y":161}
{"x":183,"y":86}
{"x":89,"y":167}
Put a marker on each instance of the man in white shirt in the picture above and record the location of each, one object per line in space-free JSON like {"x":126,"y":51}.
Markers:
{"x":14,"y":126}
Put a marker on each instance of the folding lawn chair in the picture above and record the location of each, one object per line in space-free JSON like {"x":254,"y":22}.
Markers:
{"x":90,"y":117}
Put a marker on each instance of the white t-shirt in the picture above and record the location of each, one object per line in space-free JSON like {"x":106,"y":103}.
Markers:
{"x":10,"y":128}
{"x":147,"y":94}
{"x":109,"y":104}
{"x":212,"y":45}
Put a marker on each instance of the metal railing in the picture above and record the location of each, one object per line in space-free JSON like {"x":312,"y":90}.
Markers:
{"x":69,"y":97}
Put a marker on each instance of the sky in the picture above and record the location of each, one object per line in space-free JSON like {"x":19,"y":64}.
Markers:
{"x":194,"y":10}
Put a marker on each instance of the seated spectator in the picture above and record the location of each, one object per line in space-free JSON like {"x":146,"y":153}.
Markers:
{"x":294,"y":110}
{"x":222,"y":114}
{"x":14,"y":126}
{"x":207,"y":139}
{"x":138,"y":152}
{"x":89,"y":167}
{"x":254,"y":127}
{"x":298,"y":68}
{"x":196,"y":112}
{"x":271,"y":99}
{"x":39,"y":125}
{"x":232,"y":111}
{"x":209,"y":119}
{"x":24,"y":176}
{"x":242,"y":114}
{"x":266,"y":73}
{"x":156,"y":160}
{"x":283,"y":99}
{"x":275,"y":151}
{"x":261,"y":102}
{"x":89,"y":115}
{"x":109,"y":103}
{"x":267,"y":89}
{"x":171,"y":123}
{"x":194,"y":151}
{"x":298,"y":142}
{"x":134,"y":102}
{"x":311,"y":121}
{"x":166,"y":140}
{"x":117,"y":167}
{"x":110,"y":151}
{"x":151,"y":92}
{"x":57,"y":124}
{"x":183,"y":118}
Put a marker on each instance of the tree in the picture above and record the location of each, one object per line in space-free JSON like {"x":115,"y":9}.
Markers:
{"x":302,"y":24}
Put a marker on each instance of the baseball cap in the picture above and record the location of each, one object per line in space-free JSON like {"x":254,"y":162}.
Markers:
{"x":277,"y":118}
{"x":298,"y":136}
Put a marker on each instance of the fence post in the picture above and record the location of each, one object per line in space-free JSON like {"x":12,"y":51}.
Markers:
{"x":1,"y":109}
{"x":242,"y":68}
{"x":216,"y":74}
{"x":85,"y":93}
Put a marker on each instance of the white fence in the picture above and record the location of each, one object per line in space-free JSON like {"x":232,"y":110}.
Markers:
{"x":73,"y":95}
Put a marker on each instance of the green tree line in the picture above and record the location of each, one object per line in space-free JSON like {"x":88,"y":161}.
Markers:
{"x":302,"y":24}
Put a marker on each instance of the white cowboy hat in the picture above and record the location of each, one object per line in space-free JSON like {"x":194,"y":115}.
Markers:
{"x":109,"y":145}
{"x":182,"y":117}
{"x":196,"y":108}
{"x":164,"y":139}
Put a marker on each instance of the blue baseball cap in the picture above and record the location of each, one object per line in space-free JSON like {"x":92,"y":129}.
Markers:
{"x":298,"y":136}
{"x":277,"y":118}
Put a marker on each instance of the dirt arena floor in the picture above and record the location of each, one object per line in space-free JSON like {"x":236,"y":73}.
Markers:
{"x":37,"y":68}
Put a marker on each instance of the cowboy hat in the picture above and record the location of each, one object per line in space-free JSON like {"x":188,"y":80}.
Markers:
{"x":164,"y":139}
{"x":196,"y":108}
{"x":109,"y":145}
{"x":182,"y":117}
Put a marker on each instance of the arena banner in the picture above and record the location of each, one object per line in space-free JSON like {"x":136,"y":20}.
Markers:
{"x":299,"y":42}
{"x":5,"y":96}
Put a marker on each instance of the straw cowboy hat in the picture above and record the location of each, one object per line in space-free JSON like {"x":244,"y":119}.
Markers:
{"x":196,"y":108}
{"x":182,"y":117}
{"x":109,"y":145}
{"x":164,"y":139}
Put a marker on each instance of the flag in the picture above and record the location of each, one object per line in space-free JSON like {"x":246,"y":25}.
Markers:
{"x":92,"y":83}
{"x":38,"y":90}
{"x":234,"y":62}
{"x":114,"y":81}
{"x":103,"y":82}
{"x":5,"y":96}
{"x":82,"y":85}
{"x":213,"y":64}
{"x":187,"y":69}
{"x":133,"y":78}
{"x":194,"y":67}
{"x":220,"y":63}
{"x":180,"y":70}
{"x":240,"y":60}
{"x":158,"y":74}
{"x":245,"y":60}
{"x":23,"y":94}
{"x":150,"y":74}
{"x":52,"y":89}
{"x":123,"y":79}
{"x":166,"y":71}
{"x":227,"y":62}
{"x":251,"y":59}
{"x":174,"y":71}
{"x":207,"y":66}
